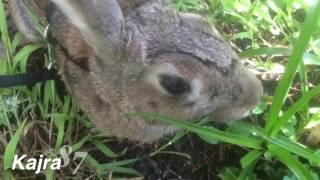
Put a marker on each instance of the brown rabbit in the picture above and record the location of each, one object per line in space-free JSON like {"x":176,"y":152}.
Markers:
{"x":123,"y":56}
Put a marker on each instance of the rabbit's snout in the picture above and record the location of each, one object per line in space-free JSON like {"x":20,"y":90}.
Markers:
{"x":252,"y":91}
{"x":251,"y":88}
{"x":245,"y":93}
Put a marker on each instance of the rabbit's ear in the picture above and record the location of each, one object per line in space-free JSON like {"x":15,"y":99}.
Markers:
{"x":100,"y":22}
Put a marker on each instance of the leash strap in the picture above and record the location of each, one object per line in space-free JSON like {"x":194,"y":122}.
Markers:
{"x":28,"y":79}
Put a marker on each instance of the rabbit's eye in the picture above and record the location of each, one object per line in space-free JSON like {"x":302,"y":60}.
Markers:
{"x":174,"y":85}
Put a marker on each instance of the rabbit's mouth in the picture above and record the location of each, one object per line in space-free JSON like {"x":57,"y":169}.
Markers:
{"x":227,"y":115}
{"x":238,"y":110}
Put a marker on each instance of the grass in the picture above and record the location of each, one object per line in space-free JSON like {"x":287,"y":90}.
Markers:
{"x":271,"y":33}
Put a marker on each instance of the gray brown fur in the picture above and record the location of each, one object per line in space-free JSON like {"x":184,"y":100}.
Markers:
{"x":111,"y":55}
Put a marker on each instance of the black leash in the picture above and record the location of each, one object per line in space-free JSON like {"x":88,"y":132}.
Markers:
{"x":27,"y":79}
{"x":30,"y":78}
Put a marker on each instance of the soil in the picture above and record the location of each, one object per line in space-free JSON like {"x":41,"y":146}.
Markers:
{"x":194,"y":159}
{"x":190,"y":158}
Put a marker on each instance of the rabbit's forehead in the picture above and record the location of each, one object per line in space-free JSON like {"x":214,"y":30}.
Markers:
{"x":206,"y":49}
{"x":165,"y":31}
{"x":185,"y":65}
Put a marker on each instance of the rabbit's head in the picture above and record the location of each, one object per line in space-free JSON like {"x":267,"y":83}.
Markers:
{"x":153,"y":59}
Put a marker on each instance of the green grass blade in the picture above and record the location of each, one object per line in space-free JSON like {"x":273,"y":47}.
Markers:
{"x":292,"y":163}
{"x":206,"y":131}
{"x":3,"y":21}
{"x":293,"y":147}
{"x":304,"y":90}
{"x":59,"y":121}
{"x":22,"y":56}
{"x":12,"y":146}
{"x":17,"y":39}
{"x":78,"y":145}
{"x":246,"y":173}
{"x":176,"y":138}
{"x":94,"y":164}
{"x":103,"y":148}
{"x":300,"y":104}
{"x":116,"y":167}
{"x":49,"y":174}
{"x":283,"y":88}
{"x":208,"y":139}
{"x":249,"y":158}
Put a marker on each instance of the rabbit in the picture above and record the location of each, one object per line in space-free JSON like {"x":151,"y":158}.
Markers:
{"x":121,"y":56}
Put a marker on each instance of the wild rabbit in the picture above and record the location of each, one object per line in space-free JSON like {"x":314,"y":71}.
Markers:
{"x":123,"y":56}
